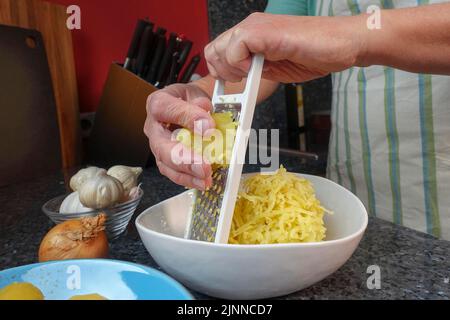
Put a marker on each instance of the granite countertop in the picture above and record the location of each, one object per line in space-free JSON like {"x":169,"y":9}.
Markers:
{"x":413,"y":265}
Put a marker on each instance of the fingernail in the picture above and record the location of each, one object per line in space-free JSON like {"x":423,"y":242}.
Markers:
{"x":208,"y":182}
{"x":199,"y":183}
{"x":197,"y":169}
{"x":201,"y":126}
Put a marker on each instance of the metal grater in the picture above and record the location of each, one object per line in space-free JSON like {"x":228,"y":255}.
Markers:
{"x":212,"y":210}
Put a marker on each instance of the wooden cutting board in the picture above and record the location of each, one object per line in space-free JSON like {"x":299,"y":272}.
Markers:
{"x":50,"y":20}
{"x":29,"y":137}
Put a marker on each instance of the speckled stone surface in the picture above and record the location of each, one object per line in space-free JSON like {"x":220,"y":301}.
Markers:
{"x":413,"y":265}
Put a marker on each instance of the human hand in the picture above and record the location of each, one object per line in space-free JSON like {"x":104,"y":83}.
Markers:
{"x":296,"y":49}
{"x":184,"y":105}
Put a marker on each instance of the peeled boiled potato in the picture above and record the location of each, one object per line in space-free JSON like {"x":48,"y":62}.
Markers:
{"x":91,"y":296}
{"x":27,"y":291}
{"x":21,"y":291}
{"x":218,"y":146}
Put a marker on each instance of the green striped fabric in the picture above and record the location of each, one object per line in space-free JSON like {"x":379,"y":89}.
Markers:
{"x":429,"y":155}
{"x":428,"y":151}
{"x":383,"y":145}
{"x":320,"y":5}
{"x":348,"y":151}
{"x":354,"y":9}
{"x":393,"y":142}
{"x":336,"y":133}
{"x":353,"y":6}
{"x":330,"y":9}
{"x":367,"y":161}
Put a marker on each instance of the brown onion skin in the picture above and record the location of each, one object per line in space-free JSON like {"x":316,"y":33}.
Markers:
{"x":56,"y":245}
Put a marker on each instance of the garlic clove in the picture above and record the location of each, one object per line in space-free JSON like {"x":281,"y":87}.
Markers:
{"x":134,"y":193}
{"x":72,"y":204}
{"x":102,"y":191}
{"x":82,"y":175}
{"x":136,"y":170}
{"x":128,"y":176}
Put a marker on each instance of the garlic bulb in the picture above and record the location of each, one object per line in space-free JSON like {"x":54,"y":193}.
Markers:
{"x":134,"y":193}
{"x":78,"y":179}
{"x":102,"y":191}
{"x":128,"y":176}
{"x":72,"y":204}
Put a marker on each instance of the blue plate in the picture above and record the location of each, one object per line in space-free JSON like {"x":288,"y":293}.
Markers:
{"x":113,"y":279}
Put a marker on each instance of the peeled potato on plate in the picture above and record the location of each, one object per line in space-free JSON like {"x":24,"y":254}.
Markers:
{"x":92,"y":296}
{"x":21,"y":291}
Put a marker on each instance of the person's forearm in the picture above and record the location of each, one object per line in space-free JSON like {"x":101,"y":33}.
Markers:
{"x":411,"y":39}
{"x":266,"y":87}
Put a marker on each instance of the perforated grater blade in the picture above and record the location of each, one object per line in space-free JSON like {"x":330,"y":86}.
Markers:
{"x":212,"y":210}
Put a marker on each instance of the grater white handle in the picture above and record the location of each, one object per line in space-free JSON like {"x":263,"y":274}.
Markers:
{"x":219,"y":96}
{"x":247,"y":99}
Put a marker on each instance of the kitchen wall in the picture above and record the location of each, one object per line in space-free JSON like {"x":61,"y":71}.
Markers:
{"x":106,"y":30}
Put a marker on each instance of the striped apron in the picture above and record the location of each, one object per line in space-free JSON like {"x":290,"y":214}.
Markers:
{"x":390,"y":139}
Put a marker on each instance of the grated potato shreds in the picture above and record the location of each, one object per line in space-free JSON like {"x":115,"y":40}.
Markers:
{"x":277,"y":208}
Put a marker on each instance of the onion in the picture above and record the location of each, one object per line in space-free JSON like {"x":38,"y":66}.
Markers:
{"x":75,"y":239}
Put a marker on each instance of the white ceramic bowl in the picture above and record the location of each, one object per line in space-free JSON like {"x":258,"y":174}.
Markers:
{"x":253,"y":271}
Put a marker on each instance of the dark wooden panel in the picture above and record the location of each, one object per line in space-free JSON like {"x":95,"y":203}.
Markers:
{"x":29,"y":133}
{"x":50,"y":20}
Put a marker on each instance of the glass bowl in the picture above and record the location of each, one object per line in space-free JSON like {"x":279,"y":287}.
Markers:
{"x":117,"y":217}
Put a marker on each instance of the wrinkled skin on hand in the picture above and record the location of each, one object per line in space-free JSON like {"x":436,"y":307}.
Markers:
{"x":296,"y":48}
{"x":185,"y":106}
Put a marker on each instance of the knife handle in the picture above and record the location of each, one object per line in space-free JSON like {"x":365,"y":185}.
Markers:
{"x":144,"y":48}
{"x":165,"y":60}
{"x":133,"y":48}
{"x":162,"y":31}
{"x":185,"y":50}
{"x":171,"y":78}
{"x":160,"y":46}
{"x":189,"y":71}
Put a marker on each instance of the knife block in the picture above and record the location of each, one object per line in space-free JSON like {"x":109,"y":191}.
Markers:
{"x":117,"y":135}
